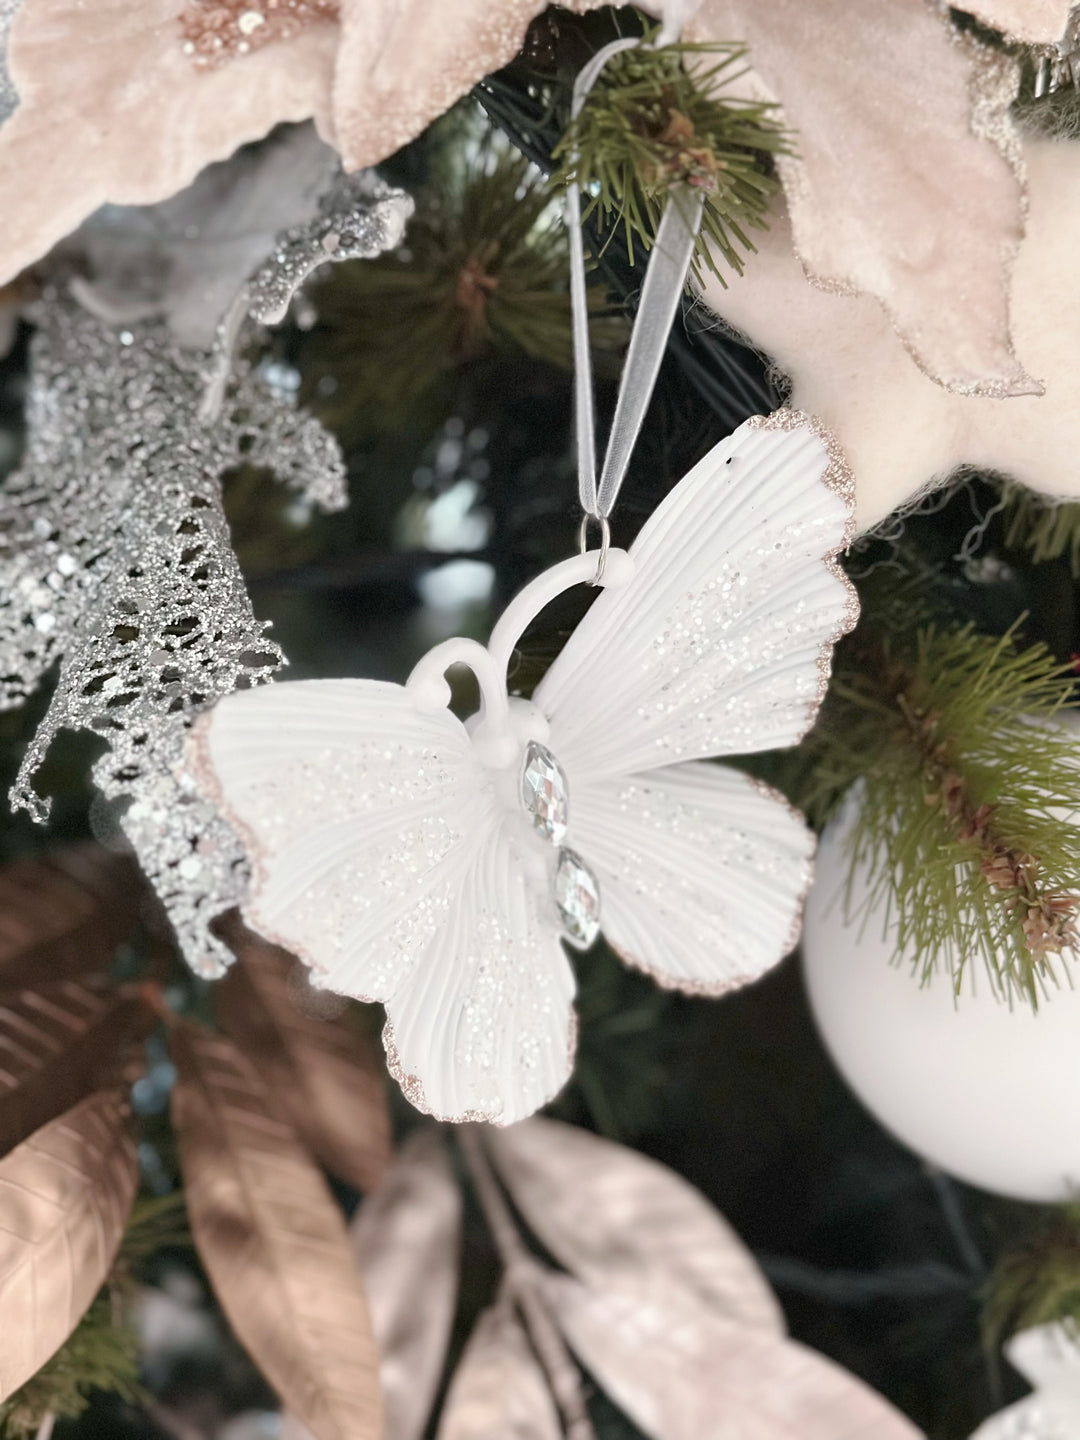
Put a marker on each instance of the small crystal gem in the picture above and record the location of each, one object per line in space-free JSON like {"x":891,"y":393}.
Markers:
{"x":544,"y":792}
{"x":578,"y":897}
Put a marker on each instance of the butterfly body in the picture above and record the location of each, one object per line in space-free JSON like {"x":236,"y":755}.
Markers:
{"x":438,"y":866}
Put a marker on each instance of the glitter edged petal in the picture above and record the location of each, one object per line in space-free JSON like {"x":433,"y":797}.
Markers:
{"x":359,"y":815}
{"x":111,"y":109}
{"x":484,"y":1028}
{"x":1031,"y":21}
{"x":932,"y":239}
{"x":702,"y":871}
{"x":720,"y":644}
{"x":401,"y":66}
{"x":901,"y":433}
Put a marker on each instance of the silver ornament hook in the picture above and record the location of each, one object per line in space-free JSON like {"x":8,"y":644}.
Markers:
{"x":605,"y":542}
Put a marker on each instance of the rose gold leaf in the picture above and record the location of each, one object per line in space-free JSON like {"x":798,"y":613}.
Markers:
{"x":680,"y":1372}
{"x":406,"y":1238}
{"x":610,"y":1214}
{"x":57,"y":1042}
{"x":322,"y":1070}
{"x":499,"y":1391}
{"x":64,"y":913}
{"x":65,"y":1195}
{"x":272,"y":1240}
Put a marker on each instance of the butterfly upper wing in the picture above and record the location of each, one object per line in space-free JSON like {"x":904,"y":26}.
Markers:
{"x":379,"y":856}
{"x":720,"y":643}
{"x":702,"y":872}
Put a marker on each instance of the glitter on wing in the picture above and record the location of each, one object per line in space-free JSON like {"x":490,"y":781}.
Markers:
{"x":721,"y":644}
{"x":703,"y":873}
{"x":380,"y":858}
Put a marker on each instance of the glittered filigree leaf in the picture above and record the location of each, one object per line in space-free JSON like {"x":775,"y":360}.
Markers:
{"x":342,"y":230}
{"x":116,"y":561}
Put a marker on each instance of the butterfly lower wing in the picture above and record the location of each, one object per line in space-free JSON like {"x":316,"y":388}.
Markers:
{"x":359,"y":814}
{"x":702,"y":872}
{"x":484,"y":1027}
{"x":721,"y":641}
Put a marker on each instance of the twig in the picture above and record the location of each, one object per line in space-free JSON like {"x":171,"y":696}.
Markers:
{"x":45,"y":1429}
{"x":522,"y":1271}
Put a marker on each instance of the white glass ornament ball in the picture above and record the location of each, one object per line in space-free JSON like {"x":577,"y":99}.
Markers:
{"x":988,"y":1093}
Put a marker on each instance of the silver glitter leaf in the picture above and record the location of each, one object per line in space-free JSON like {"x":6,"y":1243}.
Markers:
{"x":359,"y":217}
{"x":9,"y":97}
{"x":115,"y":560}
{"x":186,"y":258}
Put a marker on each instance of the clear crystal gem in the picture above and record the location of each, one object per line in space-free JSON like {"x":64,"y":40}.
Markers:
{"x":578,"y":897}
{"x":544,"y":792}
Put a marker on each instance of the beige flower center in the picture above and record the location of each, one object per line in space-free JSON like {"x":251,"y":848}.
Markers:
{"x":216,"y":31}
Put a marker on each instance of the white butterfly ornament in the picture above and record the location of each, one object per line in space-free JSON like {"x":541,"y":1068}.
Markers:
{"x":438,"y":866}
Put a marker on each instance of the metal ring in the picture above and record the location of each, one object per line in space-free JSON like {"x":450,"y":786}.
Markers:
{"x":605,"y":541}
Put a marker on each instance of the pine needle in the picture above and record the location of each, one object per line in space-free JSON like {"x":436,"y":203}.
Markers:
{"x":484,"y":270}
{"x":963,"y":780}
{"x":101,"y":1353}
{"x":1044,"y":529}
{"x":649,"y":125}
{"x":1037,"y":1282}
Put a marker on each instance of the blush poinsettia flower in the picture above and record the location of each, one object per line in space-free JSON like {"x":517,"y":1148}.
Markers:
{"x":437,"y":866}
{"x":906,"y":185}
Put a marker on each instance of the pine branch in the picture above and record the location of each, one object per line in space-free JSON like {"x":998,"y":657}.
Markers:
{"x":484,"y":271}
{"x":102,"y":1353}
{"x":1038,"y":1282}
{"x":1043,"y":529}
{"x":649,"y":124}
{"x":963,"y":774}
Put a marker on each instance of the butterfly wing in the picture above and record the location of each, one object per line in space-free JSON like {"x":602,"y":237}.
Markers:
{"x":379,"y":856}
{"x":489,"y":1033}
{"x":702,"y":872}
{"x":720,"y":643}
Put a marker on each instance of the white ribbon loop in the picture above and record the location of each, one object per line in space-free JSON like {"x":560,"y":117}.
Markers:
{"x":672,"y":252}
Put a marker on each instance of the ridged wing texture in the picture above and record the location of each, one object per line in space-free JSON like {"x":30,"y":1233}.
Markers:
{"x":320,"y":1068}
{"x":360,"y":816}
{"x":65,"y":1195}
{"x":57,"y":1042}
{"x":681,"y":1373}
{"x":407,"y":1239}
{"x":611,"y":1215}
{"x":720,"y":643}
{"x":63,"y":913}
{"x":702,"y":872}
{"x":486,"y":1030}
{"x":499,"y":1391}
{"x":273,"y":1241}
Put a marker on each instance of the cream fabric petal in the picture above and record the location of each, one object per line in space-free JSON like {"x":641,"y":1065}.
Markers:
{"x":721,"y":641}
{"x":892,"y":192}
{"x":483,"y":1028}
{"x":111,"y":109}
{"x":402,"y":65}
{"x":1033,"y":21}
{"x":702,"y":873}
{"x":901,"y":433}
{"x":360,"y":816}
